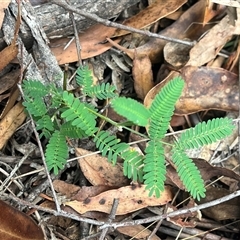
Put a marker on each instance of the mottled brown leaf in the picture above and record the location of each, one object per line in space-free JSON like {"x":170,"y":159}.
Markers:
{"x":142,"y":75}
{"x":205,"y":88}
{"x":15,"y":225}
{"x":99,"y":171}
{"x":131,"y":198}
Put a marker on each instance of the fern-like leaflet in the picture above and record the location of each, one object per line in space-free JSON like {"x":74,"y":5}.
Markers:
{"x":205,"y":133}
{"x":56,"y":152}
{"x":132,"y":110}
{"x":102,"y":91}
{"x":34,"y":89}
{"x":35,"y":106}
{"x":46,"y":125}
{"x":188,"y":173}
{"x":162,"y":107}
{"x":78,"y":114}
{"x":84,"y":79}
{"x":68,"y":130}
{"x":154,"y":168}
{"x":111,"y":147}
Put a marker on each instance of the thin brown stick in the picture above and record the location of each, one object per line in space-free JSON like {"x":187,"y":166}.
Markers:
{"x":108,"y":23}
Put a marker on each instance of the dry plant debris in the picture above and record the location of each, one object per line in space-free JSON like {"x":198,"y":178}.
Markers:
{"x":138,"y":51}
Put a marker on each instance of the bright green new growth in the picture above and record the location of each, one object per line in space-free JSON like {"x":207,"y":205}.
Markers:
{"x":67,"y":116}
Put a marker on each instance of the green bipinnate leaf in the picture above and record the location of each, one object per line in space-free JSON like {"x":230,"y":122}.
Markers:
{"x":205,"y":133}
{"x":154,"y":168}
{"x":162,"y":107}
{"x":78,"y":120}
{"x":132,"y":110}
{"x":33,"y":88}
{"x":78,"y":114}
{"x":189,"y":174}
{"x":56,"y":152}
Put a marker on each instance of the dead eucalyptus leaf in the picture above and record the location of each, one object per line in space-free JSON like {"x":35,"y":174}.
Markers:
{"x":15,"y":225}
{"x":155,"y":11}
{"x":8,"y":125}
{"x":137,"y":232}
{"x":222,"y":211}
{"x":92,"y":44}
{"x":131,"y":198}
{"x":180,"y":29}
{"x":142,"y":75}
{"x":211,"y":44}
{"x":205,"y":88}
{"x":99,"y":171}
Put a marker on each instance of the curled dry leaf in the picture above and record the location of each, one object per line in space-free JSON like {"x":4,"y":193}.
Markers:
{"x":8,"y":125}
{"x":15,"y":225}
{"x":131,"y":198}
{"x":155,"y":11}
{"x":142,"y":75}
{"x":209,"y":46}
{"x":99,"y":171}
{"x":180,"y":29}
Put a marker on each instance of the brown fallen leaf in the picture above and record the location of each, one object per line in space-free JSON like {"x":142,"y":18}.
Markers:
{"x":205,"y":88}
{"x":142,"y":75}
{"x":15,"y":225}
{"x":211,"y":11}
{"x":182,"y":28}
{"x":137,"y":232}
{"x":92,"y":44}
{"x":208,"y":88}
{"x":207,"y":49}
{"x":7,"y":55}
{"x":8,"y":80}
{"x":3,"y":6}
{"x":64,"y":188}
{"x":131,"y":198}
{"x":207,"y":172}
{"x":155,"y":11}
{"x":222,"y":211}
{"x":8,"y":125}
{"x":99,"y":171}
{"x":176,"y":54}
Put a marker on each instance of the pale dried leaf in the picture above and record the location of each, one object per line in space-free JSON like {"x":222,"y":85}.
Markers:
{"x":131,"y":198}
{"x":99,"y":171}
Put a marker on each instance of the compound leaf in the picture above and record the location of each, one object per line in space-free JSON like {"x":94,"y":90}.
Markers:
{"x":154,"y":168}
{"x":189,"y":174}
{"x":78,"y":114}
{"x":132,"y":110}
{"x":56,"y":152}
{"x":33,"y":88}
{"x":205,"y":133}
{"x":35,"y":107}
{"x":162,"y":107}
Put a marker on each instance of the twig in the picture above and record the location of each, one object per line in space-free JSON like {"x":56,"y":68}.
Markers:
{"x":111,"y":217}
{"x":42,"y":154}
{"x":175,"y":213}
{"x":77,"y":40}
{"x":108,"y":23}
{"x":54,"y":212}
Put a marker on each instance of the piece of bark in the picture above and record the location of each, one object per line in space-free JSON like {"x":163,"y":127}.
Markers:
{"x":40,"y":64}
{"x":55,"y":21}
